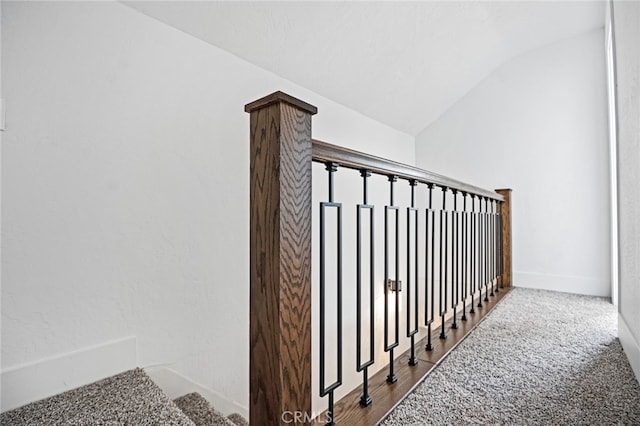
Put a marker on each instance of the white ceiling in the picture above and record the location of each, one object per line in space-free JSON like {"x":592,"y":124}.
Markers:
{"x":400,"y":63}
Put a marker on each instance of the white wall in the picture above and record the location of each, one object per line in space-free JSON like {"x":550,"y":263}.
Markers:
{"x":627,"y":52}
{"x":538,"y":125}
{"x":1,"y":133}
{"x":613,"y":152}
{"x":125,"y":171}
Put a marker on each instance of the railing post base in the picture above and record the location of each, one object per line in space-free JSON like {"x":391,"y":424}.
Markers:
{"x":365,"y":401}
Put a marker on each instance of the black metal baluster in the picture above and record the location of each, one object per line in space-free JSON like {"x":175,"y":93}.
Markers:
{"x":492,"y":234}
{"x":428,"y":319}
{"x":480,"y":257}
{"x":411,"y":332}
{"x":465,"y":256}
{"x":455,"y":290}
{"x":473,"y":253}
{"x":444,"y":220}
{"x":390,"y":284}
{"x":494,"y":278}
{"x":480,"y":250}
{"x":495,"y":246}
{"x":500,"y":251}
{"x":365,"y":399}
{"x":328,"y":390}
{"x":498,"y":248}
{"x":486,"y":249}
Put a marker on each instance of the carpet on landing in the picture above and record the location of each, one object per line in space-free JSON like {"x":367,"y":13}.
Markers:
{"x":539,"y":358}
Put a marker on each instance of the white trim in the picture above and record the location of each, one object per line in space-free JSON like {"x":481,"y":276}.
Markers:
{"x":31,"y":382}
{"x":563,"y":283}
{"x":630,"y":345}
{"x":174,"y":384}
{"x":613,"y":152}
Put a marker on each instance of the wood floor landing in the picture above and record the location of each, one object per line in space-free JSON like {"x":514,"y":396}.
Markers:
{"x":348,"y":410}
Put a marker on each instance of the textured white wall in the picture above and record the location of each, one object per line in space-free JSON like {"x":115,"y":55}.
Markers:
{"x":627,"y":50}
{"x":125,"y":171}
{"x":538,"y":124}
{"x":1,"y":144}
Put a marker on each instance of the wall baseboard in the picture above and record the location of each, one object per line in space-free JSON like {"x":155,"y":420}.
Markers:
{"x":173,"y":384}
{"x":31,"y":382}
{"x":563,"y":283}
{"x":630,"y":345}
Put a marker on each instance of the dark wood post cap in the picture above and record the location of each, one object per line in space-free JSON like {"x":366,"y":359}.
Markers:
{"x":279,"y":96}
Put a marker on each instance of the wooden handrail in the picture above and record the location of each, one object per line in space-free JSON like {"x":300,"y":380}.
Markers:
{"x":345,"y":157}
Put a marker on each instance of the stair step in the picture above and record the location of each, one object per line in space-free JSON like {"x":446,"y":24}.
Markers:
{"x":238,"y":419}
{"x":129,"y":398}
{"x":202,"y":413}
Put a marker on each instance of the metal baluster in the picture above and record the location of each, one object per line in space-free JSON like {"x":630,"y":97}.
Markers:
{"x":365,"y":399}
{"x":388,"y":347}
{"x":486,"y":249}
{"x":495,"y":246}
{"x":444,"y":219}
{"x":455,"y":290}
{"x":480,"y":247}
{"x":428,"y":319}
{"x":411,"y":332}
{"x":492,"y":234}
{"x":328,"y":390}
{"x":498,"y":255}
{"x":465,"y":256}
{"x":500,"y":249}
{"x":473,"y":253}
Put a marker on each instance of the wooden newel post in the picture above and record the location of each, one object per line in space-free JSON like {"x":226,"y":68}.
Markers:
{"x":505,"y":211}
{"x":280,"y":257}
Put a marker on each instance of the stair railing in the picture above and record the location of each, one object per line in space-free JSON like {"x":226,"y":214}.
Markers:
{"x":474,"y":255}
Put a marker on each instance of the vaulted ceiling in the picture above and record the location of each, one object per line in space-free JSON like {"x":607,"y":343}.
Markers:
{"x":400,"y":63}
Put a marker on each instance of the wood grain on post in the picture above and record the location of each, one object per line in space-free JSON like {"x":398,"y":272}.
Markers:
{"x":505,"y":211}
{"x":280,"y":258}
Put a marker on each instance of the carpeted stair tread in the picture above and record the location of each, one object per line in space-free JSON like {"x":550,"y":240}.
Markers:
{"x":201,"y":412}
{"x":238,"y":419}
{"x":130,"y":398}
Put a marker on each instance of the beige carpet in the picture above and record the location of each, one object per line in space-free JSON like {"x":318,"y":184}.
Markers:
{"x":539,"y":358}
{"x":130,"y":399}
